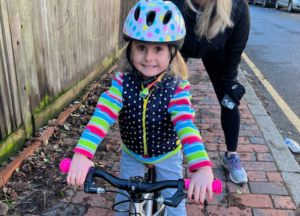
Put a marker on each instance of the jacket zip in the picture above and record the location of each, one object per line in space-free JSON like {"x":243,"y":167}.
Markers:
{"x":144,"y":121}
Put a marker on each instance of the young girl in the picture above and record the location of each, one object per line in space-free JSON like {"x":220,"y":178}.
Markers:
{"x":151,"y":99}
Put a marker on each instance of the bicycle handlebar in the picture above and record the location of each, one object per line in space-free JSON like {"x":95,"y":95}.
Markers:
{"x":134,"y":184}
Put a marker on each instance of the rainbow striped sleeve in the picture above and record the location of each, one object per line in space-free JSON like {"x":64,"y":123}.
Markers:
{"x":106,"y":113}
{"x":182,"y":116}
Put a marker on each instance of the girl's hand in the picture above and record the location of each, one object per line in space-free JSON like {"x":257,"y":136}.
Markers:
{"x":78,"y":170}
{"x":201,"y":181}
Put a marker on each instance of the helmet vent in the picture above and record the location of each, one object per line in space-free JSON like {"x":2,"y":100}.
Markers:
{"x":137,"y":13}
{"x":150,"y":17}
{"x":167,"y":17}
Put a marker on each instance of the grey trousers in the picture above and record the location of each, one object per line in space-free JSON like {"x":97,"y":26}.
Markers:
{"x":168,"y":169}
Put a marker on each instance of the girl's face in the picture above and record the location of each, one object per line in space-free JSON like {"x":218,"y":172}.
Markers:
{"x":150,"y":59}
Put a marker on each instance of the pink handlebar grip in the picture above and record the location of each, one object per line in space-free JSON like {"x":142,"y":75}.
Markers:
{"x":65,"y":165}
{"x":216,"y":185}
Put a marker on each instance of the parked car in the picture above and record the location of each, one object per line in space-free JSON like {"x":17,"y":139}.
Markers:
{"x":291,"y":5}
{"x":265,"y":3}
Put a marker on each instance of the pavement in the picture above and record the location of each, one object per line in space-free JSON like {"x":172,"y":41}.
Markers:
{"x":273,"y":188}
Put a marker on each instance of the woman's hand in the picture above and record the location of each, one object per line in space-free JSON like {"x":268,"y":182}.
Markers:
{"x":201,"y":181}
{"x":80,"y":166}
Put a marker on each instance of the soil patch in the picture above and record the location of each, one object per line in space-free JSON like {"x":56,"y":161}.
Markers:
{"x":37,"y":184}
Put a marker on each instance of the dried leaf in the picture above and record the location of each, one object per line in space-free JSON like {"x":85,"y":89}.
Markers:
{"x":20,"y":174}
{"x":13,"y":195}
{"x":3,"y":208}
{"x":58,"y":179}
{"x":107,"y":147}
{"x":66,"y":127}
{"x":26,"y":168}
{"x":42,"y":155}
{"x":289,"y":133}
{"x":61,"y":135}
{"x":59,"y":150}
{"x":5,"y":190}
{"x":76,"y":188}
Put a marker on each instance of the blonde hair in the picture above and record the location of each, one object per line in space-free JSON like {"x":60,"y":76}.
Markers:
{"x":178,"y":66}
{"x":222,"y":19}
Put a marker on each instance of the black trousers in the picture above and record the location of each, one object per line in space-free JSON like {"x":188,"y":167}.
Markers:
{"x":214,"y":64}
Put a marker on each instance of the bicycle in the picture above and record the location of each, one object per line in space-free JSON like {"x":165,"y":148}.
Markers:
{"x":144,"y":193}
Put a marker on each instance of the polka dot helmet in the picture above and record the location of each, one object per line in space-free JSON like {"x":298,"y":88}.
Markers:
{"x":155,"y":21}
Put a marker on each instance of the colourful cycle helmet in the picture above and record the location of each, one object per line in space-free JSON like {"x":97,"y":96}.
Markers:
{"x":155,"y":21}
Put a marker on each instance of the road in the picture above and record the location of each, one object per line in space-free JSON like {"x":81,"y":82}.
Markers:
{"x":274,"y":48}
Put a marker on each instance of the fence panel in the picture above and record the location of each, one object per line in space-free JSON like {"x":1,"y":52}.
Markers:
{"x":10,"y":110}
{"x":46,"y":49}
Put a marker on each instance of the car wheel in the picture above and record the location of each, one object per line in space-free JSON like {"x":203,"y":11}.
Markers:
{"x":265,"y":4}
{"x":290,"y":6}
{"x":277,"y":5}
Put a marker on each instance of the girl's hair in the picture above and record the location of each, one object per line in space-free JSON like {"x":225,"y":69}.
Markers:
{"x":210,"y":28}
{"x":178,"y":66}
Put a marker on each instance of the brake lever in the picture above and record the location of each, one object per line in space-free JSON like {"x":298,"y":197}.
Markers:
{"x":88,"y":183}
{"x":175,"y":200}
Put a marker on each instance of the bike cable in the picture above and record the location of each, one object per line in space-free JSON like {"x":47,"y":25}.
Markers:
{"x":118,"y":203}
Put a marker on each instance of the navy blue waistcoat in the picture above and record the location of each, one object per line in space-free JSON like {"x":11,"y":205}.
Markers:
{"x":155,"y":135}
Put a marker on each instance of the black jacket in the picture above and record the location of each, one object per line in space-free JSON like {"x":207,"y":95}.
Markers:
{"x":233,"y":40}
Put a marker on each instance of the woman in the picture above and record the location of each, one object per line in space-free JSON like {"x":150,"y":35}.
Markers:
{"x":217,"y":32}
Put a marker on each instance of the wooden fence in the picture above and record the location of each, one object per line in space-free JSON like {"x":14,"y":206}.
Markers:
{"x":47,"y":48}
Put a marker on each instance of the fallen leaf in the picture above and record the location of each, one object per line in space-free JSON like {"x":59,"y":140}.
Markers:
{"x":13,"y":195}
{"x":289,"y":133}
{"x":239,"y":192}
{"x":3,"y":208}
{"x":76,"y":188}
{"x":20,"y":174}
{"x":26,"y":168}
{"x":4,"y":190}
{"x":66,"y":127}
